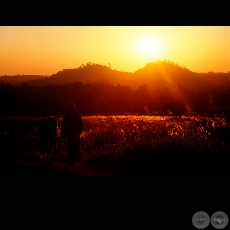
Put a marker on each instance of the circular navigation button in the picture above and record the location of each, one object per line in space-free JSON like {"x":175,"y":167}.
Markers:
{"x":219,"y":220}
{"x":200,"y":220}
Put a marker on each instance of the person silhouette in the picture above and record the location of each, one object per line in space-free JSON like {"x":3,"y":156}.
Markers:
{"x":71,"y":129}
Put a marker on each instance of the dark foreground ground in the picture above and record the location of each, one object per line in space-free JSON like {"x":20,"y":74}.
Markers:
{"x":139,"y":161}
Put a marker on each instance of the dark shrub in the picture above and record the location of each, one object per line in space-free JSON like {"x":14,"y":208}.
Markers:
{"x":176,"y":107}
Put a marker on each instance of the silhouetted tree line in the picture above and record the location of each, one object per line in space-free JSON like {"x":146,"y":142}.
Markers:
{"x":103,"y":97}
{"x":18,"y":79}
{"x":154,"y":74}
{"x":160,"y":86}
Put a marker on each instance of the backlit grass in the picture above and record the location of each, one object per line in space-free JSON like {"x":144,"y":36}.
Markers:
{"x":121,"y":145}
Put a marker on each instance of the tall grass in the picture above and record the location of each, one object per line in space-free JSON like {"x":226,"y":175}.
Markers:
{"x":132,"y":145}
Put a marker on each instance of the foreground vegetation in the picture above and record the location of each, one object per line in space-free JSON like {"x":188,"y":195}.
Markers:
{"x":122,"y":145}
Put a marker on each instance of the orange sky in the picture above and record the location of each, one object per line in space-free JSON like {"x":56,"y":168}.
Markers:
{"x":46,"y":50}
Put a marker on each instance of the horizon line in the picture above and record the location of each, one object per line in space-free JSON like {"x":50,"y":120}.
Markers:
{"x":121,"y":70}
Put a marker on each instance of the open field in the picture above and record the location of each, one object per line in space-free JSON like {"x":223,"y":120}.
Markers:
{"x":122,"y":145}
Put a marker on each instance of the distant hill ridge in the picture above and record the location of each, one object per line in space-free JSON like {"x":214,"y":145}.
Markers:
{"x":15,"y":79}
{"x":154,"y":74}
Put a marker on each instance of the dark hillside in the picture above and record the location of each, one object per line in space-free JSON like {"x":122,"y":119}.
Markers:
{"x":19,"y":79}
{"x":157,"y":75}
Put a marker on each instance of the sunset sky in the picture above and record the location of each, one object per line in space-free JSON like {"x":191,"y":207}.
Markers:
{"x":45,"y":50}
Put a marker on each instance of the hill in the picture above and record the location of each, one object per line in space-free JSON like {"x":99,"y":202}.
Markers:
{"x":156,"y":75}
{"x":19,"y":79}
{"x":169,"y":74}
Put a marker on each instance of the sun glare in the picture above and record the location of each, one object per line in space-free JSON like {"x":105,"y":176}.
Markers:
{"x":148,"y":47}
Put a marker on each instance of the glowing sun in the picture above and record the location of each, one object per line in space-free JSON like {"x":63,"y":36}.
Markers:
{"x":148,"y":47}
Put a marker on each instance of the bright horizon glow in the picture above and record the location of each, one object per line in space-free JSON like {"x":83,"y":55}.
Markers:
{"x":45,"y":50}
